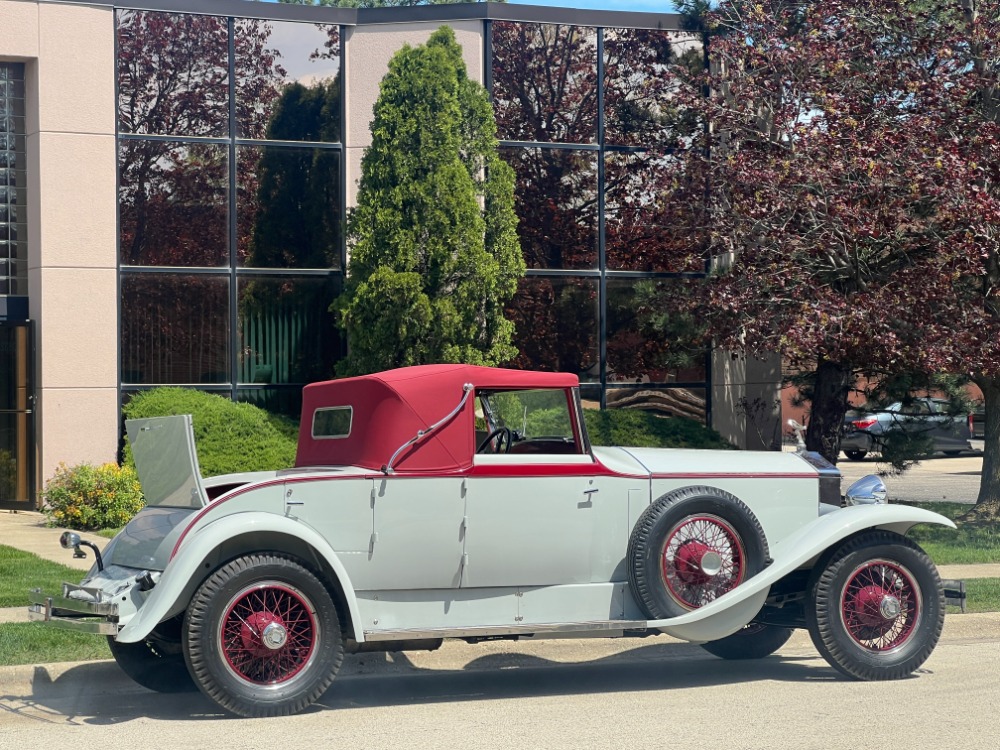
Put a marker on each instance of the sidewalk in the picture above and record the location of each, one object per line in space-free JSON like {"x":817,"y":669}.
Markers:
{"x":27,"y":531}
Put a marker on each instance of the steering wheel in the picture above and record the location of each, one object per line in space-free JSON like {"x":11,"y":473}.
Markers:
{"x":502,"y":435}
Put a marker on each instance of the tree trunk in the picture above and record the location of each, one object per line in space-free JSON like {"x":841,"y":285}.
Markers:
{"x":829,"y":406}
{"x":989,"y":485}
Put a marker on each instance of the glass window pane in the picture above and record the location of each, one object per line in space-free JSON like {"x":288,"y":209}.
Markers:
{"x":645,"y":346}
{"x":286,"y":330}
{"x":556,"y":322}
{"x":556,"y":203}
{"x":173,"y":74}
{"x":690,"y":403}
{"x":288,"y":207}
{"x":287,"y":80}
{"x":647,"y":222}
{"x":640,"y":106}
{"x":173,"y":203}
{"x":174,"y":329}
{"x":545,"y":82}
{"x":286,"y":401}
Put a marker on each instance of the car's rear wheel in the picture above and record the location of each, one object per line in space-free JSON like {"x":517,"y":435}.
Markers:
{"x":753,"y":641}
{"x":263,"y":636}
{"x":690,"y":547}
{"x":156,"y":662}
{"x":877,"y":607}
{"x":855,"y":455}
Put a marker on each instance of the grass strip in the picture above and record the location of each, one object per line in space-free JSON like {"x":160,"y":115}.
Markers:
{"x":38,"y":643}
{"x":969,"y":544}
{"x":21,"y":571}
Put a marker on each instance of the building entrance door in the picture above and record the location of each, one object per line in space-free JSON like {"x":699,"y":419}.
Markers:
{"x":17,"y":417}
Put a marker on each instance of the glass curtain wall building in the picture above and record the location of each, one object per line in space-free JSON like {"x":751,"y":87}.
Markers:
{"x":231,"y":193}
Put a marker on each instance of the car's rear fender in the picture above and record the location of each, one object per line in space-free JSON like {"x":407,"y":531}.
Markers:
{"x":730,"y":612}
{"x":241,"y":533}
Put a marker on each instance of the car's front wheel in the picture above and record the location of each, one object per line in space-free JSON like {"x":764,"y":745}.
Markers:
{"x":877,"y":608}
{"x":262,"y":636}
{"x":753,"y":641}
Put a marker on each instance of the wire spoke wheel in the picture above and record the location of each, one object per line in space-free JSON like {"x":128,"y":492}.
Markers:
{"x":691,"y":546}
{"x":703,"y":558}
{"x":880,"y":606}
{"x":877,"y":606}
{"x":269,"y":632}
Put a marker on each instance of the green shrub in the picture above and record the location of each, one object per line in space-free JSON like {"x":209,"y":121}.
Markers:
{"x":229,"y":437}
{"x":88,"y":497}
{"x":643,"y":429}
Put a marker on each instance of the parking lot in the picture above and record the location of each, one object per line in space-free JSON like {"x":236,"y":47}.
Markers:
{"x":953,"y":479}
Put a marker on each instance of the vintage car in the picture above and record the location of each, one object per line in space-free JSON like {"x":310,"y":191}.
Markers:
{"x":453,"y":501}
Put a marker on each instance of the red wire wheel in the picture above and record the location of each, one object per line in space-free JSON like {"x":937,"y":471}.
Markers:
{"x":880,"y":605}
{"x":269,"y":632}
{"x":690,"y":547}
{"x":703,"y":558}
{"x":262,"y":636}
{"x":877,"y":606}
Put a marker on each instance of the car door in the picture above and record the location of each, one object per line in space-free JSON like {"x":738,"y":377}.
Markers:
{"x":532,"y":522}
{"x":542,"y":511}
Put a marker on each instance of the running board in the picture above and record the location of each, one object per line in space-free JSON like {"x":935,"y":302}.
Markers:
{"x":492,"y":631}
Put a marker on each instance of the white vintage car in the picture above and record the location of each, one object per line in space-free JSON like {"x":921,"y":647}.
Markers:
{"x":467,"y":502}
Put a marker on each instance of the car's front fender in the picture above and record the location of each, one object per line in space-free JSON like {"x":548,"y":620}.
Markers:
{"x":730,"y":612}
{"x":176,"y":584}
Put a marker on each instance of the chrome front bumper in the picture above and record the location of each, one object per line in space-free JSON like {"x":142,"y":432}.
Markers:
{"x":85,"y":610}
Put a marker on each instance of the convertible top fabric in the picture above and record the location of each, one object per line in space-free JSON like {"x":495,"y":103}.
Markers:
{"x":390,"y":408}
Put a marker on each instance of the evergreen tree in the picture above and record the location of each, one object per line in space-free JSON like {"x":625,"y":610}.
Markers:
{"x":434,"y":248}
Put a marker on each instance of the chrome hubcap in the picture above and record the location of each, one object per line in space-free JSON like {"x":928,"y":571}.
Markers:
{"x":890,"y":607}
{"x":274,"y":636}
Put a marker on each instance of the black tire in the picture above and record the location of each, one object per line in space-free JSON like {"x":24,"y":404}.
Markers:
{"x":877,"y":607}
{"x":753,"y":641}
{"x":237,"y":610}
{"x":952,"y":454}
{"x":855,"y":455}
{"x":157,"y":662}
{"x":690,"y":547}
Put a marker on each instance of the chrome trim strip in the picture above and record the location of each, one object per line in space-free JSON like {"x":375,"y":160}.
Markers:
{"x":492,"y":631}
{"x":77,"y":606}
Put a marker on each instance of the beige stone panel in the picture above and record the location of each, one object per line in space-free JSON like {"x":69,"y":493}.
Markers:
{"x":367,"y":53}
{"x":353,"y":157}
{"x":18,"y":29}
{"x":76,"y":425}
{"x":76,"y":69}
{"x":76,"y":336}
{"x":76,"y":200}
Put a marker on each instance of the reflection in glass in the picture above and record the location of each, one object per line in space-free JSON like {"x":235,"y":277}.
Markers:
{"x":556,"y":204}
{"x":288,"y":207}
{"x":174,"y":329}
{"x":286,"y":400}
{"x":690,"y":403}
{"x":173,"y":203}
{"x":556,"y":321}
{"x":646,"y":344}
{"x":286,"y":332}
{"x":173,"y":74}
{"x":287,"y":80}
{"x":647,"y":219}
{"x":640,"y":105}
{"x":545,"y":82}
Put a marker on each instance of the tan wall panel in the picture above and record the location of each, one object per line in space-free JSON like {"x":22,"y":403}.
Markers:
{"x":18,"y":29}
{"x":76,"y":425}
{"x":76,"y":201}
{"x":367,"y":54}
{"x":76,"y":69}
{"x":77,"y":339}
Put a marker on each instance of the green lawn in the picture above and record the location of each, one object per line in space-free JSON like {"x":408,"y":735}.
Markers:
{"x":967,"y":544}
{"x":20,"y":571}
{"x":37,"y":643}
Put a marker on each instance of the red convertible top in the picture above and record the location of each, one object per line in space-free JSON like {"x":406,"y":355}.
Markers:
{"x":390,"y":408}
